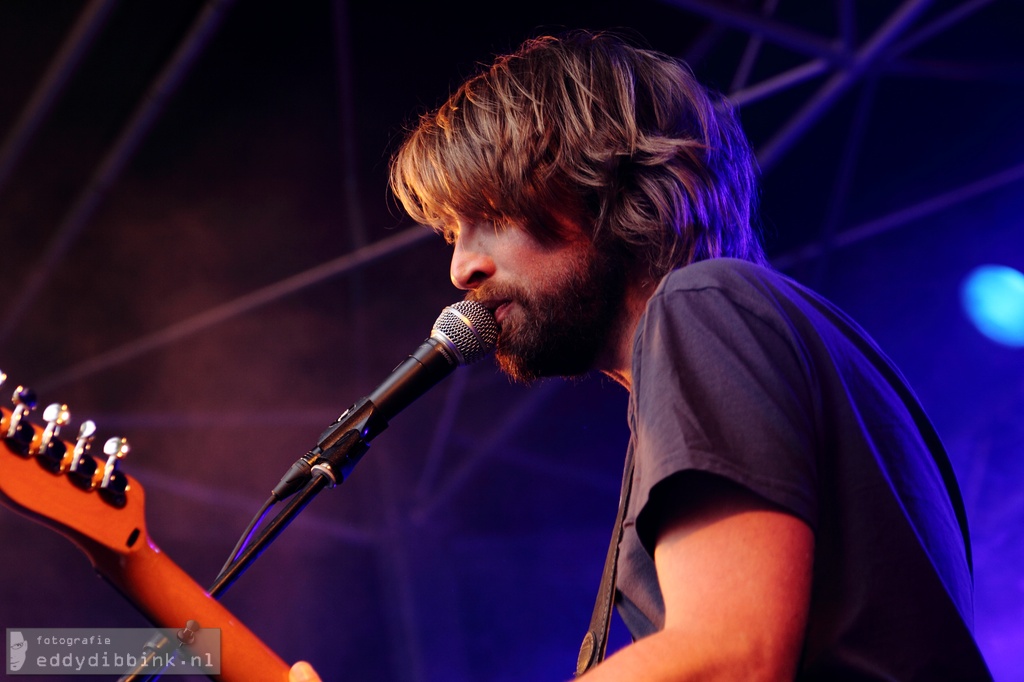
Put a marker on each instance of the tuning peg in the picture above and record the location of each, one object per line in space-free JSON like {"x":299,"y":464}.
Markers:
{"x":56,"y":415}
{"x":86,"y":433}
{"x":116,"y":449}
{"x":24,"y":399}
{"x":20,"y":432}
{"x":115,"y":483}
{"x":83,"y":465}
{"x":52,"y":450}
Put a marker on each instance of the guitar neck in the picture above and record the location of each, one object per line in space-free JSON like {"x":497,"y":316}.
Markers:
{"x":166,"y":595}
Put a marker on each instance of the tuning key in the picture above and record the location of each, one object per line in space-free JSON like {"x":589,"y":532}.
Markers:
{"x":19,"y":432}
{"x":83,"y":465}
{"x":52,"y":451}
{"x":115,"y":483}
{"x":115,"y":449}
{"x":86,"y":434}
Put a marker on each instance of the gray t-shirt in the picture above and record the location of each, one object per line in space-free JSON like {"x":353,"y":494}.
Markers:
{"x":741,"y":373}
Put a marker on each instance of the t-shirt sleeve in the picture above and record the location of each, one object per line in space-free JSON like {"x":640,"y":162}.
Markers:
{"x":721,"y":387}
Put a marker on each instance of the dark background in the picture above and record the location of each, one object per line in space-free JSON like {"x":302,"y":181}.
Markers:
{"x":164,"y":169}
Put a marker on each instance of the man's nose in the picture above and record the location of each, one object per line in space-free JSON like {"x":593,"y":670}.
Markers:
{"x":471,"y":265}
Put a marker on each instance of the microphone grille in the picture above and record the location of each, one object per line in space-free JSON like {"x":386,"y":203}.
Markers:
{"x":470,"y":327}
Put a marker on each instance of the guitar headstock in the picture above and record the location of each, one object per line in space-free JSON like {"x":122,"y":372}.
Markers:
{"x":85,"y":497}
{"x":67,"y":486}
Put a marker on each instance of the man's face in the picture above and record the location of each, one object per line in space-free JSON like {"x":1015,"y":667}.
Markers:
{"x":557,"y":306}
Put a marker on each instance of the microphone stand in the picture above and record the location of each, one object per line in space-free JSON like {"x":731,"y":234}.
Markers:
{"x":331,"y":468}
{"x":339,"y":449}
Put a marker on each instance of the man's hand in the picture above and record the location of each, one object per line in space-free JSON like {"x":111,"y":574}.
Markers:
{"x":302,"y":672}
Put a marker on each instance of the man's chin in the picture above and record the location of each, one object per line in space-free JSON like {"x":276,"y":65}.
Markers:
{"x":528,"y":370}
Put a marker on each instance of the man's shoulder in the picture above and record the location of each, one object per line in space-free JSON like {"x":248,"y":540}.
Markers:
{"x":710,"y":287}
{"x":729,"y":274}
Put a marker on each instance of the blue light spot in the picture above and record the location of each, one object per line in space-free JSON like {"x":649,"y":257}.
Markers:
{"x":993,"y":297}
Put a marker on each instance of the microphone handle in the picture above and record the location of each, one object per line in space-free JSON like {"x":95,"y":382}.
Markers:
{"x":430,"y":363}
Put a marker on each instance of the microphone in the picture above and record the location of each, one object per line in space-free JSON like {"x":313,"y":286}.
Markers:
{"x":463,"y":333}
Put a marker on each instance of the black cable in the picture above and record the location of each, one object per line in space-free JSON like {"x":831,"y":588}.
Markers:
{"x":267,"y":535}
{"x":247,"y":535}
{"x":293,"y":480}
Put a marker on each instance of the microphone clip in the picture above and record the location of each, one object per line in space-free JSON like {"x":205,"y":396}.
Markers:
{"x":343,"y":443}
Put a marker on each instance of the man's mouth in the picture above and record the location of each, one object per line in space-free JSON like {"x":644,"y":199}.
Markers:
{"x":498,"y":307}
{"x":501,"y":310}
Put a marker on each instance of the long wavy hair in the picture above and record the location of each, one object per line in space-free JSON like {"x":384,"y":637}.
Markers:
{"x":589,"y":129}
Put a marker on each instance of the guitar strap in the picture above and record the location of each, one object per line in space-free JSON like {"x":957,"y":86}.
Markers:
{"x":596,"y":640}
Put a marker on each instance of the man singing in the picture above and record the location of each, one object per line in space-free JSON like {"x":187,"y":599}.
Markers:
{"x":791,"y":512}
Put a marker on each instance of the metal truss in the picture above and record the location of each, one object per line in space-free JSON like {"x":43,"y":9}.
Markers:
{"x":839,"y":58}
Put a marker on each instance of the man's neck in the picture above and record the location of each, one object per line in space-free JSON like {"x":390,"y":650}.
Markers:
{"x":617,"y":360}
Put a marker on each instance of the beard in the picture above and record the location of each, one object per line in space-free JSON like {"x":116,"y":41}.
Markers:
{"x":563,"y":328}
